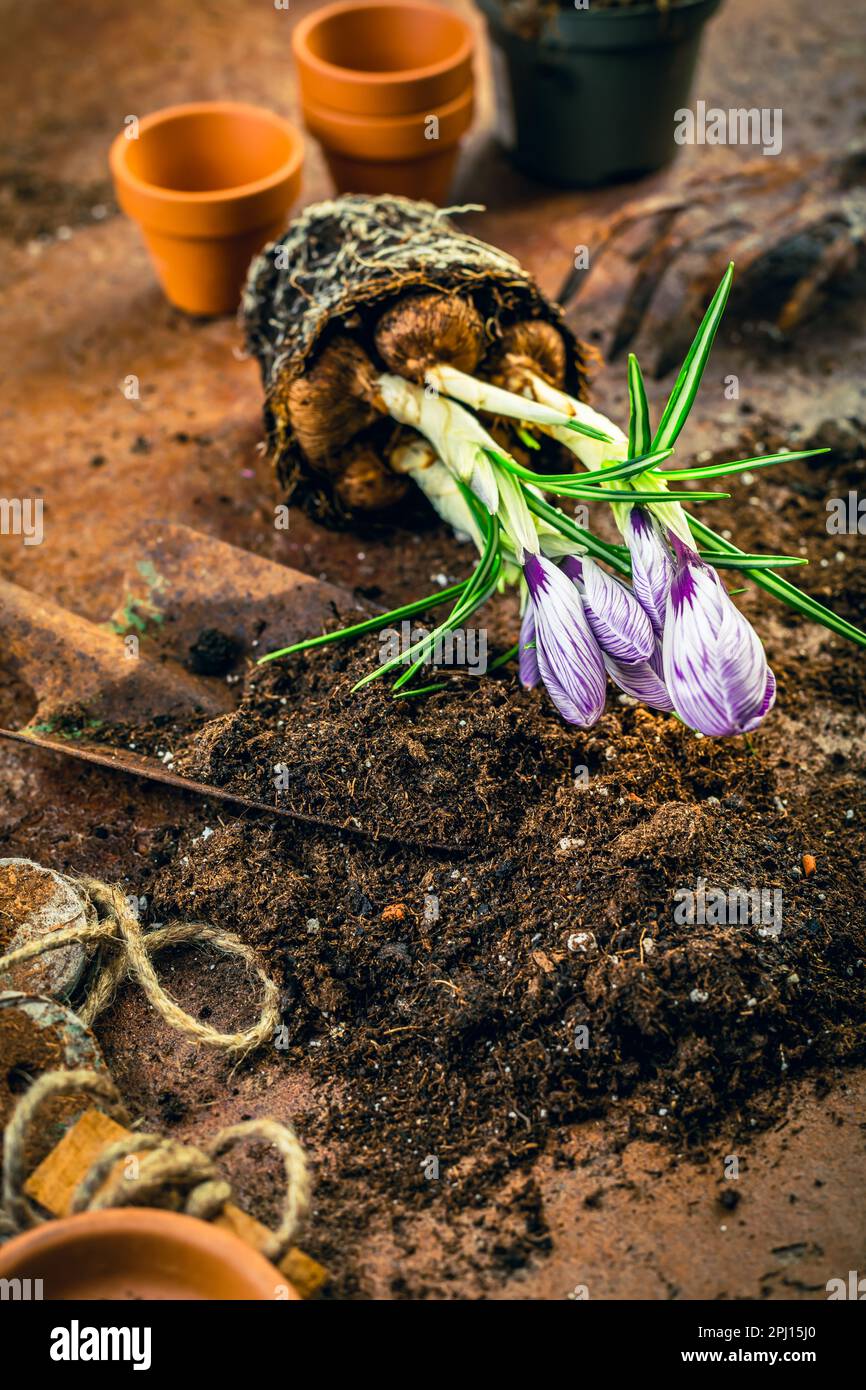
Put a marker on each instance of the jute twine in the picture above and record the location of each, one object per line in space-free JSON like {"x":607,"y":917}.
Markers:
{"x":181,"y":1177}
{"x":111,"y":922}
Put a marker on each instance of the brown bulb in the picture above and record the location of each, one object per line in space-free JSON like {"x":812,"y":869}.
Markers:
{"x":334,"y":400}
{"x":366,"y":484}
{"x":424,"y":330}
{"x":534,"y":346}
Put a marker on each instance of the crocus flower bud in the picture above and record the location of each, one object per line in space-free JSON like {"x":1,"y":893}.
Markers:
{"x":569,"y":658}
{"x":616,"y":619}
{"x":715,"y":667}
{"x":652,"y":567}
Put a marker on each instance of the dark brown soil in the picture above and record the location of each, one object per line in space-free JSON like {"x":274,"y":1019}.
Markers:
{"x":436,"y":1002}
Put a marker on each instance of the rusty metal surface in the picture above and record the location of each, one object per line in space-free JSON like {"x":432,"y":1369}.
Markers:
{"x":81,"y":316}
{"x":180,"y":581}
{"x":70,"y":662}
{"x":179,"y":584}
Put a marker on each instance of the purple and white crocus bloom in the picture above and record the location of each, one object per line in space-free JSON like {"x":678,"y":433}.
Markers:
{"x":616,"y":619}
{"x":652,"y":566}
{"x":643,"y":680}
{"x":715,"y":667}
{"x":626,"y":643}
{"x":710,"y":661}
{"x":675,"y":641}
{"x":528,"y":660}
{"x":566,"y":655}
{"x":630,"y":648}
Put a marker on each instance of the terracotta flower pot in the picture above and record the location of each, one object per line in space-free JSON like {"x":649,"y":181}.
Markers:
{"x":392,"y":154}
{"x":132,"y":1253}
{"x":383,"y":57}
{"x":209,"y":183}
{"x":388,"y":90}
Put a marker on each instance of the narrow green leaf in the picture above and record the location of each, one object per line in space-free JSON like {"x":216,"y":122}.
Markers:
{"x":479,"y":511}
{"x":463,"y":610}
{"x":513,"y":514}
{"x":422,"y":690}
{"x":686,"y":387}
{"x":721,"y":470}
{"x":639,"y":432}
{"x":617,"y":470}
{"x":491,"y":558}
{"x":585,"y":494}
{"x":722,"y":561}
{"x":504,"y":658}
{"x":526,"y":438}
{"x":588,"y":430}
{"x":408,"y":610}
{"x":585,"y":488}
{"x":485,"y":572}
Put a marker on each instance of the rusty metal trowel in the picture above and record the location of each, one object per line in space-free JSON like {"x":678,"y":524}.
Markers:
{"x":181,"y":586}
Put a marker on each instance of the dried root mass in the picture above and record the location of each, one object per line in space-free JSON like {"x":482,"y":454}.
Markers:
{"x":360,"y":286}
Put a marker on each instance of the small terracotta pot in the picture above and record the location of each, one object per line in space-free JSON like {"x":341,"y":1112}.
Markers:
{"x":381,"y":58}
{"x":133,"y":1253}
{"x":392,"y":154}
{"x":209,"y":183}
{"x":372,"y":75}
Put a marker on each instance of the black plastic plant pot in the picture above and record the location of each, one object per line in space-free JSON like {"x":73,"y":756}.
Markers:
{"x":593,"y":96}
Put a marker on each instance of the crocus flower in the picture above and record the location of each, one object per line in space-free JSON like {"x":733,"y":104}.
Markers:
{"x":569,"y":658}
{"x":652,"y":567}
{"x":714,"y":665}
{"x":617,"y":621}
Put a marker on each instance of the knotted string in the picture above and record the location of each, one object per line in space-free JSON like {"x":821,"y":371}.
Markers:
{"x":181,"y":1177}
{"x":111,"y":921}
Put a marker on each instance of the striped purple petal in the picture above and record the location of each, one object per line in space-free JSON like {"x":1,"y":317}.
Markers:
{"x":642,"y":679}
{"x":714,"y":665}
{"x":769,"y":695}
{"x":616,"y":619}
{"x":569,"y":658}
{"x":528,"y":666}
{"x":652,"y":567}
